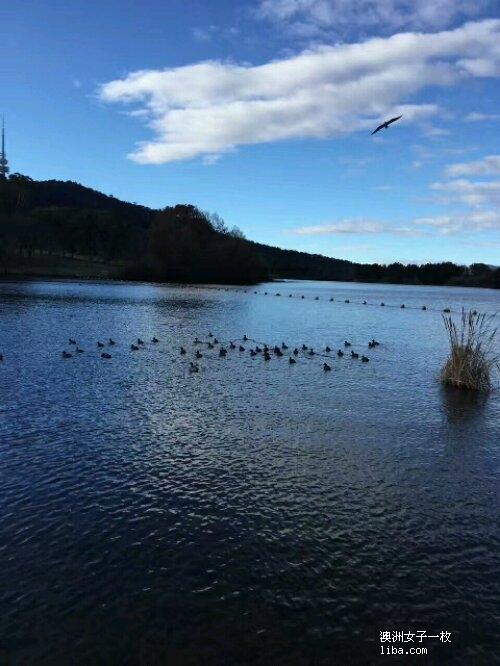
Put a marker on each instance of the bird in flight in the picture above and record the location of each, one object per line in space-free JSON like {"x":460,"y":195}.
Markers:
{"x":387,"y":123}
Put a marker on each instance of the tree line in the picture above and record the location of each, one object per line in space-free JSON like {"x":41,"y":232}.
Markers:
{"x":178,"y":243}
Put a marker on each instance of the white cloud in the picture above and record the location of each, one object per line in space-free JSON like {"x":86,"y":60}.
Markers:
{"x":309,"y":17}
{"x":472,"y":193}
{"x":488,"y":166}
{"x":474,"y":221}
{"x":478,"y":117}
{"x":211,"y":107}
{"x":343,"y":227}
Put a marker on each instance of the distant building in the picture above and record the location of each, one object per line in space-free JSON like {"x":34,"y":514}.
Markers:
{"x":4,"y":164}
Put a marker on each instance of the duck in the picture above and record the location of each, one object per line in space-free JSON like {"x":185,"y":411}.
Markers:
{"x":193,"y":367}
{"x":222,"y":352}
{"x":99,"y":344}
{"x":364,"y":303}
{"x":474,"y":312}
{"x":241,"y":348}
{"x":155,"y":340}
{"x":327,"y":349}
{"x":232,"y":345}
{"x":111,"y":341}
{"x":254,"y":292}
{"x":424,"y":307}
{"x":347,"y":344}
{"x":375,"y":343}
{"x":291,"y":360}
{"x":447,"y":310}
{"x":278,"y":352}
{"x":354,"y":354}
{"x":216,"y":342}
{"x":304,"y":347}
{"x":267,"y":356}
{"x":311,"y":352}
{"x":245,"y":337}
{"x":266,"y":349}
{"x":382,"y":304}
{"x":135,"y":347}
{"x":278,"y":294}
{"x":196,"y":341}
{"x":301,"y":297}
{"x":402,"y":306}
{"x":1,"y":357}
{"x":326,"y":367}
{"x":265,"y":293}
{"x":317,"y":298}
{"x":340,"y":353}
{"x":365,"y":359}
{"x":72,"y":342}
{"x":295,"y":352}
{"x":139,"y":341}
{"x":65,"y":354}
{"x":284,"y":346}
{"x":370,"y":344}
{"x":183,"y":351}
{"x":198,"y":354}
{"x":289,"y":295}
{"x":105,"y":355}
{"x":210,"y":335}
{"x":80,"y":351}
{"x":210,"y":345}
{"x":253,"y":352}
{"x":347,"y":300}
{"x":258,"y":349}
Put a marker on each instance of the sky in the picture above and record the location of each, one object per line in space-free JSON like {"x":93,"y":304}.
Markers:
{"x":262,"y":111}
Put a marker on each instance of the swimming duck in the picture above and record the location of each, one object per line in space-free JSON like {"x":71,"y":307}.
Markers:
{"x":245,"y":337}
{"x":375,"y":343}
{"x":327,"y":349}
{"x":266,"y":349}
{"x":253,"y":352}
{"x":135,"y":347}
{"x":311,"y":352}
{"x":289,"y":295}
{"x":258,"y":350}
{"x":402,"y":306}
{"x":317,"y":298}
{"x":267,"y":356}
{"x":111,"y":341}
{"x":364,"y":302}
{"x":72,"y":342}
{"x":198,"y":354}
{"x":99,"y":344}
{"x":216,"y":342}
{"x":265,"y":293}
{"x":210,"y":335}
{"x":222,"y":352}
{"x":183,"y":351}
{"x":331,"y":300}
{"x":196,"y":341}
{"x":80,"y":351}
{"x":347,"y":300}
{"x":382,"y":304}
{"x":105,"y":355}
{"x":474,"y":312}
{"x":365,"y":359}
{"x":241,"y":348}
{"x":326,"y":367}
{"x":284,"y":346}
{"x":210,"y":345}
{"x":354,"y":354}
{"x":347,"y":344}
{"x":254,"y":292}
{"x":301,"y":297}
{"x":295,"y":352}
{"x":304,"y":347}
{"x":155,"y":340}
{"x":1,"y":357}
{"x":278,"y":352}
{"x":447,"y":310}
{"x":278,"y":294}
{"x":139,"y":341}
{"x":193,"y":367}
{"x":424,"y":307}
{"x":291,"y":360}
{"x":232,"y":345}
{"x":65,"y":354}
{"x":340,"y":353}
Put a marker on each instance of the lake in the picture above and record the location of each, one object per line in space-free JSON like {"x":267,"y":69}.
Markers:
{"x":253,"y":512}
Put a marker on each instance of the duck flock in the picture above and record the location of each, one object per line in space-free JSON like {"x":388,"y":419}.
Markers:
{"x":211,"y":348}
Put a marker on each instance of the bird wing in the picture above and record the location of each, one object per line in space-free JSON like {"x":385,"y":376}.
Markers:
{"x":378,"y":128}
{"x":393,"y":120}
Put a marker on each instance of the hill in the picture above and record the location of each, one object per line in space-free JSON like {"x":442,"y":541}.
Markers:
{"x":64,"y":228}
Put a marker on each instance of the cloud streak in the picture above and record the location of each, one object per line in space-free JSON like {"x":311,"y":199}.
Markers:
{"x":212,"y":107}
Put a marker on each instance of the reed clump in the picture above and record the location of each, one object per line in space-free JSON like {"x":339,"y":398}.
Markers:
{"x":473,"y":356}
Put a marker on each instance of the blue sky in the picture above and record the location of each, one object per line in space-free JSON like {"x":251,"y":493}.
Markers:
{"x":262,"y":111}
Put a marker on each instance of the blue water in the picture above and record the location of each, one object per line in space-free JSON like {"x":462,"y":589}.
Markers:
{"x":254,"y":512}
